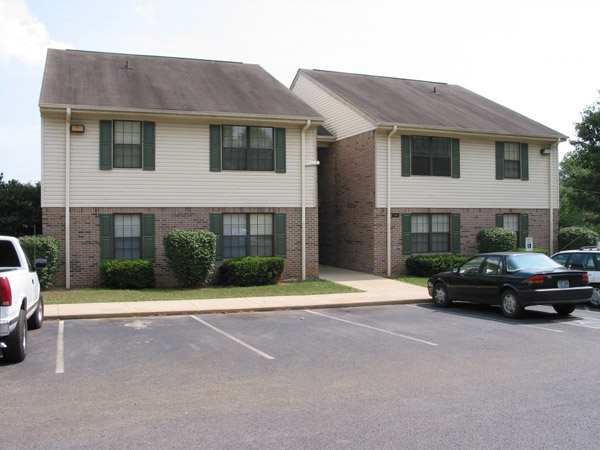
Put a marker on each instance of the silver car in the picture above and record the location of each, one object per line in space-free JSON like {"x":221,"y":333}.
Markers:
{"x":588,"y":259}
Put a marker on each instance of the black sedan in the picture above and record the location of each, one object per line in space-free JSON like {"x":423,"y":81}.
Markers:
{"x":512,"y":280}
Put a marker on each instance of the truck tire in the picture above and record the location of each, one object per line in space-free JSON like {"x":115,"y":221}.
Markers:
{"x":37,"y":319}
{"x":16,"y":344}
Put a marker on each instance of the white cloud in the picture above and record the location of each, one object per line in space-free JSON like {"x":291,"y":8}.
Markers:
{"x":22,"y":36}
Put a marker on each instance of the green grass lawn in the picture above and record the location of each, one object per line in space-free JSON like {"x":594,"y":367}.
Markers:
{"x":419,"y":281}
{"x":313,"y":287}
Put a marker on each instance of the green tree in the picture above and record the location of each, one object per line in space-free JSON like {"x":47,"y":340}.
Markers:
{"x":20,"y":208}
{"x":580,"y":173}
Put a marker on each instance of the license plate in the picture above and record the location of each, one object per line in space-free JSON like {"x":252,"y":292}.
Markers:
{"x":563,"y":284}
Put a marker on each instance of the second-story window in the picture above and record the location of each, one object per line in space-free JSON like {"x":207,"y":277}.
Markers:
{"x":248,"y":148}
{"x":127,"y":147}
{"x":430,"y":156}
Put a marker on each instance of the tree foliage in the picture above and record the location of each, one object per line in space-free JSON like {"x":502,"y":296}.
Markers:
{"x":20,"y":208}
{"x":580,"y":173}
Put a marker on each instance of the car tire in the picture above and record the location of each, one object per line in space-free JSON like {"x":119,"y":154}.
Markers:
{"x":16,"y":344}
{"x":37,"y":319}
{"x":511,"y":307}
{"x":595,"y":300}
{"x":564,"y":309}
{"x":440,"y":296}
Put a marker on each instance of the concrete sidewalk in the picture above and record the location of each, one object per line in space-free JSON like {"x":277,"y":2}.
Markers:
{"x":376,"y":291}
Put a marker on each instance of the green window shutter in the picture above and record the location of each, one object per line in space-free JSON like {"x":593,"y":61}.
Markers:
{"x":149,"y":145}
{"x":215,"y":148}
{"x":455,"y":233}
{"x":148,"y":236}
{"x":499,"y":160}
{"x":455,"y":158}
{"x":106,"y":237}
{"x":216,"y":227}
{"x":405,"y":140}
{"x":524,"y":161}
{"x":523,"y":229}
{"x":499,"y":220}
{"x":406,"y":234}
{"x":105,"y":145}
{"x":280,"y":235}
{"x":280,"y":156}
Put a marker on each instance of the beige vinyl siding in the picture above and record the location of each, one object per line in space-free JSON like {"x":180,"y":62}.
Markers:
{"x":182,"y":177}
{"x":477,"y":186}
{"x":53,"y":162}
{"x":340,"y":118}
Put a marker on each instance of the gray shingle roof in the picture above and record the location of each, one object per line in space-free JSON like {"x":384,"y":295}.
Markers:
{"x":427,"y":104}
{"x":120,"y":81}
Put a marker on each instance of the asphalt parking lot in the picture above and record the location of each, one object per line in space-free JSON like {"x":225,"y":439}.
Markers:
{"x":404,"y":376}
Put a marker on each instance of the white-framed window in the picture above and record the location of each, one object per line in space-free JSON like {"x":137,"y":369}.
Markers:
{"x":127,"y":146}
{"x":247,"y":235}
{"x":127,"y":236}
{"x":430,"y":233}
{"x":248,"y":148}
{"x":512,"y":160}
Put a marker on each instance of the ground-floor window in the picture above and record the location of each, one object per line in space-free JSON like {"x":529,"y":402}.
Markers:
{"x":430,"y":233}
{"x":128,"y":236}
{"x":247,"y":235}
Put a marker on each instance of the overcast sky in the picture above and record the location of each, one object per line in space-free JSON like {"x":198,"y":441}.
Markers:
{"x":539,"y":58}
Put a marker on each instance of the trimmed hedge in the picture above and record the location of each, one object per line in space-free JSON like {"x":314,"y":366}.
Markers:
{"x":496,"y":240}
{"x":127,"y":274}
{"x":426,"y":266}
{"x":573,"y":238}
{"x":42,"y":247}
{"x":191,"y":255}
{"x":251,"y":271}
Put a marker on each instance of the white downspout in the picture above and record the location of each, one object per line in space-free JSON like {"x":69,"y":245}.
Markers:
{"x":68,"y":200}
{"x":389,"y":201}
{"x":551,"y":215}
{"x":303,"y":200}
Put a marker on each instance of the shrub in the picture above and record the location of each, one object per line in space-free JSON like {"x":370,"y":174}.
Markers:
{"x":571,"y":238}
{"x":251,"y":271}
{"x":426,"y":266}
{"x":496,"y":240}
{"x":191,"y":255}
{"x":43,"y":247}
{"x":127,"y":274}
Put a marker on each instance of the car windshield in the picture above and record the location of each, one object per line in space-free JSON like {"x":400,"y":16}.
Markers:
{"x":530,"y":261}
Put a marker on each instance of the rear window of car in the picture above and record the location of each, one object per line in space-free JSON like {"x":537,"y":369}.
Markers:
{"x":530,"y":261}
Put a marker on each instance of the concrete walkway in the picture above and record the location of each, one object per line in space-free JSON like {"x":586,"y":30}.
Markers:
{"x":376,"y":291}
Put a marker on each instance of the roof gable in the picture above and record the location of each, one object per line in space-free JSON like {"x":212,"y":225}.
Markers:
{"x":426,"y":104}
{"x":125,"y":82}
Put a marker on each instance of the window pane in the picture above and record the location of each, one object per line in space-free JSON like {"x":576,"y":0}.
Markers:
{"x":234,"y":224}
{"x":440,"y":223}
{"x":511,"y":222}
{"x":248,"y":148}
{"x":261,"y":137}
{"x":419,"y":223}
{"x":430,"y":156}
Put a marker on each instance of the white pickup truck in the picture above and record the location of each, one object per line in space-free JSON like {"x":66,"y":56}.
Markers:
{"x":21,"y":303}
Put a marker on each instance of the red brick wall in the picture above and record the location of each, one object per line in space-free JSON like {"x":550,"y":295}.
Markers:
{"x":85,"y":239}
{"x":346,"y":203}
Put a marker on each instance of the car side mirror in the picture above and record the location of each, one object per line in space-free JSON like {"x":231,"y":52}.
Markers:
{"x":40,"y":263}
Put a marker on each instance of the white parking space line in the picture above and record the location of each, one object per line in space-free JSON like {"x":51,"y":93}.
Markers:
{"x":233,"y":338}
{"x":60,"y":348}
{"x":371,"y":328}
{"x":545,"y":329}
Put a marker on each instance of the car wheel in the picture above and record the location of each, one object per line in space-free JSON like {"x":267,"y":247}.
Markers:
{"x":17,"y":341}
{"x":440,"y":296}
{"x":510,"y":304}
{"x":595,"y":300}
{"x":37,"y":319}
{"x":564,"y":309}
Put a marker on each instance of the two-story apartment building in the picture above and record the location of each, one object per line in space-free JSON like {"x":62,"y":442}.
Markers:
{"x":418,"y":167}
{"x":136,"y":146}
